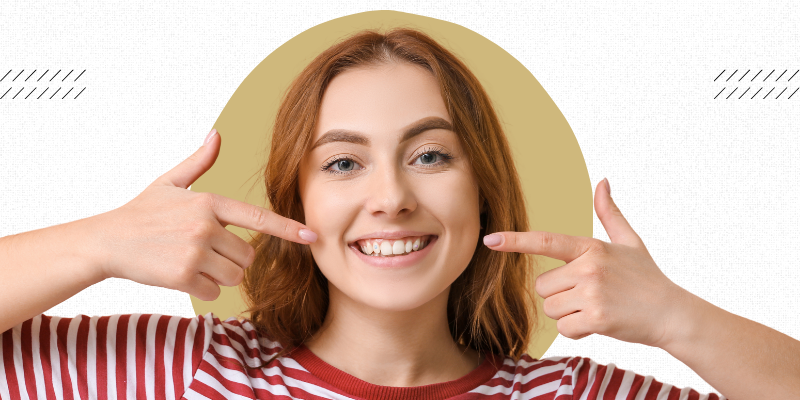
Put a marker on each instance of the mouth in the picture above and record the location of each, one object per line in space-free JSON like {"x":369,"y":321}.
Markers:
{"x":393,"y":253}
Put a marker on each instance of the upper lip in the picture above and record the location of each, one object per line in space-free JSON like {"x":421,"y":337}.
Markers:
{"x":391,"y":235}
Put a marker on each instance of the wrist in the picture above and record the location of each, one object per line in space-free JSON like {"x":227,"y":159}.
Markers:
{"x":685,"y":325}
{"x":87,"y":244}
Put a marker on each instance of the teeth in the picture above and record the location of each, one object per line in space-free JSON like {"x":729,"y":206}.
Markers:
{"x":391,"y":247}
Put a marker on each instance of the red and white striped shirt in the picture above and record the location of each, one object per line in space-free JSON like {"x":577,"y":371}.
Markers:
{"x":165,"y":357}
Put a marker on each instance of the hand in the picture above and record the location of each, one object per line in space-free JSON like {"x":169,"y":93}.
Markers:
{"x":175,"y":238}
{"x":613,"y":289}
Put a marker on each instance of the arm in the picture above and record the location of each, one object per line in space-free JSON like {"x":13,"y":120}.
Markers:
{"x":42,"y":268}
{"x":739,"y":357}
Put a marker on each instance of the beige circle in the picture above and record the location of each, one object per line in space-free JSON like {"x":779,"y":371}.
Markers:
{"x":550,"y":163}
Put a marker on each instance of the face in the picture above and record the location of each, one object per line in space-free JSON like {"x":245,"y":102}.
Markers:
{"x":385,"y":164}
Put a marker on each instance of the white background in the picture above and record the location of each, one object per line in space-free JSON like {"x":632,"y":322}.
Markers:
{"x":710,"y":185}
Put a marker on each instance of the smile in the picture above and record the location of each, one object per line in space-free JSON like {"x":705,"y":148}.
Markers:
{"x":392,"y":247}
{"x":391,"y":253}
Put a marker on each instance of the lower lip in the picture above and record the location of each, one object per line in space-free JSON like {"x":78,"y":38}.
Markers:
{"x":397,"y":261}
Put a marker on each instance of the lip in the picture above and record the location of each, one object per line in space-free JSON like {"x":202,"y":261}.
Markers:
{"x":397,"y":261}
{"x":391,"y":235}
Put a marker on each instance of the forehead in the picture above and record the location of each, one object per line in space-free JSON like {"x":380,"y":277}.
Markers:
{"x":380,"y":98}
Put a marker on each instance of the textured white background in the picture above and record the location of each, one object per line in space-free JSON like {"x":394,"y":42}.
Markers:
{"x":710,"y":185}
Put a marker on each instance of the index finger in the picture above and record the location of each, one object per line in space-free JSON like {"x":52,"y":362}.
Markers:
{"x":255,"y":218}
{"x":549,"y":244}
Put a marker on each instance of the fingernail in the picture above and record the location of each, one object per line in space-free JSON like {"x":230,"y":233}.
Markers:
{"x":209,"y":136}
{"x":307,"y":235}
{"x":493,"y":239}
{"x":608,"y":187}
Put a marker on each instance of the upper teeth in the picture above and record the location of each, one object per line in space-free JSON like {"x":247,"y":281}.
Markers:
{"x":388,"y":247}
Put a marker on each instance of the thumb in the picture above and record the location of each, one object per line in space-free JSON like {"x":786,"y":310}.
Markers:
{"x":617,"y":227}
{"x":185,"y":173}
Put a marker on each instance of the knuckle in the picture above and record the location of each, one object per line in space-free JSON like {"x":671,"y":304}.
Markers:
{"x":205,"y":200}
{"x":547,"y":240}
{"x":593,"y":270}
{"x":549,"y":306}
{"x":200,"y":229}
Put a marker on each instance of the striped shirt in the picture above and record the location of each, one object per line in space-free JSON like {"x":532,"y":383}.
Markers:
{"x":154,"y":356}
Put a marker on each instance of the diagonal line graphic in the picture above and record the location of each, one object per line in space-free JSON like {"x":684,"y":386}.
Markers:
{"x":42,"y":93}
{"x":51,"y":79}
{"x":734,"y":73}
{"x":779,"y":78}
{"x":79,"y":77}
{"x":67,"y":93}
{"x":30,"y":93}
{"x":4,"y":76}
{"x":795,"y":73}
{"x":62,"y":80}
{"x":45,"y":73}
{"x":734,"y":90}
{"x":768,"y":76}
{"x":755,"y":94}
{"x":756,"y":75}
{"x":54,"y":93}
{"x":4,"y":94}
{"x":29,"y":76}
{"x":745,"y":74}
{"x":779,"y":94}
{"x":719,"y":92}
{"x":76,"y":96}
{"x":744,"y":93}
{"x":15,"y":96}
{"x":15,"y":78}
{"x":790,"y":96}
{"x":768,"y":93}
{"x":720,"y":74}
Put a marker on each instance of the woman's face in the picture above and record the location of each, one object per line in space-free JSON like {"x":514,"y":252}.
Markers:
{"x":385,"y":164}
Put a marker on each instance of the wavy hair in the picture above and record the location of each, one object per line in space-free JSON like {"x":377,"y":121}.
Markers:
{"x":491,"y":307}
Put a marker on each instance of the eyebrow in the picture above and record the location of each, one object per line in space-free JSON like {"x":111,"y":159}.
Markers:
{"x":344,"y":135}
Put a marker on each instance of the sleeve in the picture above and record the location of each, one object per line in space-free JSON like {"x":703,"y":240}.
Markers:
{"x":585,"y":379}
{"x":119,"y":356}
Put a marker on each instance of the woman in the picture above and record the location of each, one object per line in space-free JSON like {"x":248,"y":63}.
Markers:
{"x":388,"y":153}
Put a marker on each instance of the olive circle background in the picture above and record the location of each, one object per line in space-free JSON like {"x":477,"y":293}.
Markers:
{"x":547,"y":155}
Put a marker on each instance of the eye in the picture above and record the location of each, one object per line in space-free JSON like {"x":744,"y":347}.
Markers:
{"x":344,"y":164}
{"x":430,"y":155}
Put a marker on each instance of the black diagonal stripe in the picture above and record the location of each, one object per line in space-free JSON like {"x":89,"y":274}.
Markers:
{"x":779,"y":94}
{"x":62,"y":79}
{"x":790,"y":96}
{"x":15,"y":78}
{"x":755,"y":94}
{"x":4,"y":94}
{"x":779,"y":78}
{"x":45,"y":73}
{"x":54,"y":93}
{"x":67,"y":93}
{"x":768,"y":93}
{"x":30,"y":93}
{"x":734,"y":90}
{"x":51,"y":79}
{"x":15,"y":96}
{"x":756,"y":75}
{"x":795,"y":73}
{"x":79,"y":77}
{"x":42,"y":93}
{"x":719,"y":92}
{"x":734,"y":73}
{"x":79,"y":93}
{"x":744,"y":93}
{"x":720,"y":74}
{"x":4,"y":76}
{"x":29,"y":76}
{"x":745,"y":74}
{"x":768,"y":76}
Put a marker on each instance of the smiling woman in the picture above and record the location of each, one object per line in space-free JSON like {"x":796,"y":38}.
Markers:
{"x":387,"y":141}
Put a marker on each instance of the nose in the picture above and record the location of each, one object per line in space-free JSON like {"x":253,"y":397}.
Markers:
{"x":391,"y":193}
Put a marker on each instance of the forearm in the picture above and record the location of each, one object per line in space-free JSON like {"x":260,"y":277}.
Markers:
{"x":42,"y":268}
{"x":740,"y":358}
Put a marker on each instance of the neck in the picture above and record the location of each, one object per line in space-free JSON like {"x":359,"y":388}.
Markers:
{"x":391,"y":348}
